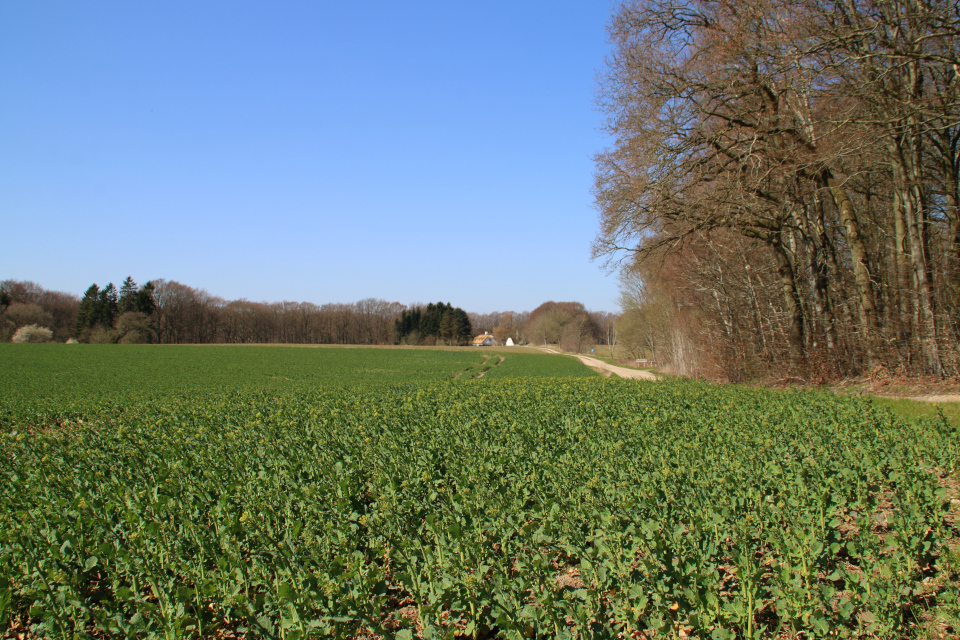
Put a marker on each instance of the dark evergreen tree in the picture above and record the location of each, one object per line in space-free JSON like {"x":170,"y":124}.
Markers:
{"x":128,"y":296}
{"x":108,"y":306}
{"x":100,"y":307}
{"x":436,"y":320}
{"x":144,"y":300}
{"x":448,"y":328}
{"x":407,"y":324}
{"x":88,"y":314}
{"x":461,"y":322}
{"x":430,"y":322}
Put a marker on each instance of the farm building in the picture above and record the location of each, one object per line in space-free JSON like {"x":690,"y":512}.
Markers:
{"x":486,"y":340}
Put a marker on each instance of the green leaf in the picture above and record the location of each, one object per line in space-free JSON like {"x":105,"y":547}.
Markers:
{"x":287,"y":592}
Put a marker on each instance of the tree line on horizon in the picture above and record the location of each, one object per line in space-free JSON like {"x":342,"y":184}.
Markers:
{"x":782,"y":188}
{"x":169,"y":312}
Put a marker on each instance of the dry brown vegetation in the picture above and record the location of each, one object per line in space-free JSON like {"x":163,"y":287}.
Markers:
{"x":782,"y":187}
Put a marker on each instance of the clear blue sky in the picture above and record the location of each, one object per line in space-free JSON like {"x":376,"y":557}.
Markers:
{"x":307,"y":150}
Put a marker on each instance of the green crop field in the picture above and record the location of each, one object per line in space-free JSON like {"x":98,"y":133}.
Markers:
{"x":351,"y":493}
{"x":77,"y":372}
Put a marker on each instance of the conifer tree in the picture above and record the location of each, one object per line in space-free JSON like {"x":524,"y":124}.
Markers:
{"x":128,"y":296}
{"x":144,"y":300}
{"x":89,"y":309}
{"x":108,"y":306}
{"x":437,"y":320}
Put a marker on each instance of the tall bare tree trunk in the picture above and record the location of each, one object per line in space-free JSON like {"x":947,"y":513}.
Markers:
{"x":791,"y":299}
{"x":908,"y":185}
{"x":905,"y":300}
{"x":817,"y":272}
{"x":861,"y":264}
{"x":946,"y":142}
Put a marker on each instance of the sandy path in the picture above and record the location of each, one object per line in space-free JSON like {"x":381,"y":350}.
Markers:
{"x":950,"y":398}
{"x":623,"y":372}
{"x":600,"y":365}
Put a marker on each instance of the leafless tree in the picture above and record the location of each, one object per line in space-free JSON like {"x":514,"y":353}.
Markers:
{"x":804,"y":149}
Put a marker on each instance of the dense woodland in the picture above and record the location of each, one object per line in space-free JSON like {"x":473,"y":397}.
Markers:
{"x":781,"y":189}
{"x":168,"y":312}
{"x":440,"y":322}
